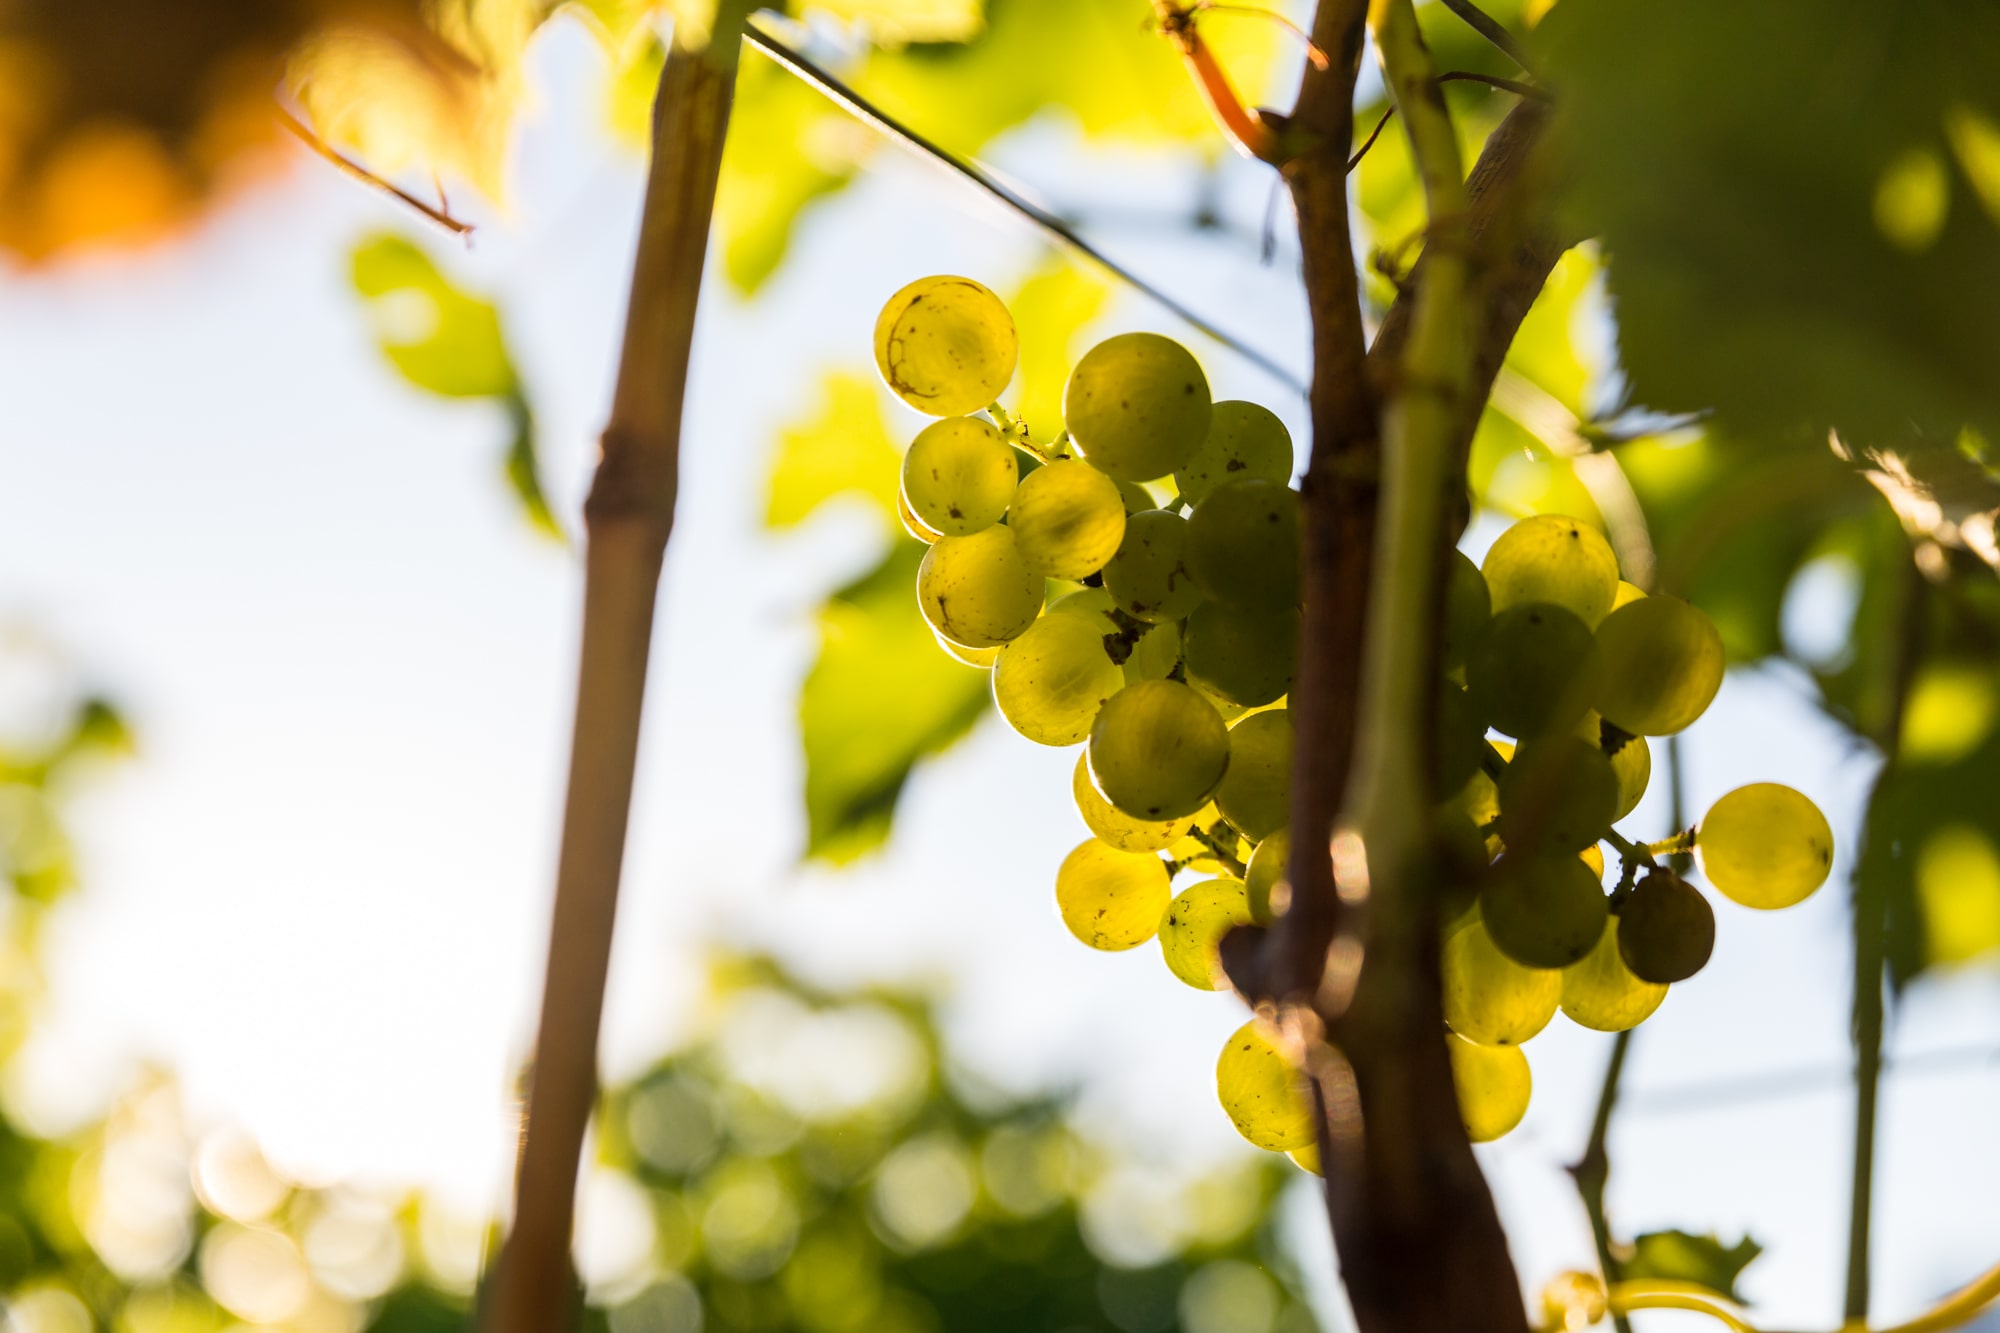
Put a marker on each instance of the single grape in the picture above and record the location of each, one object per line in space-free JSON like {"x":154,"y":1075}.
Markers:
{"x":1550,"y":558}
{"x":1468,"y":606}
{"x":1534,"y":670}
{"x":1155,"y":655}
{"x":1147,"y":577}
{"x":1265,"y":1096}
{"x":972,"y":657}
{"x":1243,"y":545}
{"x":976,"y":591}
{"x":1307,"y":1158}
{"x":1241,"y":655}
{"x":1093,"y":604}
{"x":1109,"y":899}
{"x":1459,"y":735}
{"x":1558,"y":794}
{"x":1662,"y":666}
{"x":1191,"y":936}
{"x":1256,"y":792}
{"x":1244,"y":442}
{"x":1159,"y":750}
{"x":1543,"y":909}
{"x":1488,"y":997}
{"x":1764,"y":846}
{"x":1137,"y":406}
{"x":1051,"y":681}
{"x":1068,"y":518}
{"x":1267,"y":881}
{"x":1631,"y":761}
{"x":959,"y":476}
{"x":946,"y":345}
{"x":1112,"y":825}
{"x":913,"y":525}
{"x":1493,"y":1085}
{"x":1601,"y":993}
{"x":1666,"y":929}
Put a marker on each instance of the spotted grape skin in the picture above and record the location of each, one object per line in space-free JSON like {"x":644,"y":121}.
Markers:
{"x":1111,"y":900}
{"x":946,"y":345}
{"x":1765,"y":846}
{"x":1137,"y":406}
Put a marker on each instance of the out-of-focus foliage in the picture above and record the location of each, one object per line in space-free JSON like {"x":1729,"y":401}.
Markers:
{"x":1678,"y":1256}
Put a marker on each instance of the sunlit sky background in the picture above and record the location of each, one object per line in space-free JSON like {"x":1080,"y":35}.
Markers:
{"x":319,"y":894}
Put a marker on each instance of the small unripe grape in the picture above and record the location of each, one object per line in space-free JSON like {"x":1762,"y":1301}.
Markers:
{"x":1266,"y":1098}
{"x":1493,"y":1085}
{"x":1244,"y":442}
{"x":1241,"y":655}
{"x":1158,"y":751}
{"x":1051,"y":681}
{"x":1549,"y":558}
{"x":976,"y":591}
{"x":1256,"y":792}
{"x":1558,"y":794}
{"x":1662,"y":663}
{"x":1137,"y":406}
{"x":1765,"y":846}
{"x":1468,"y":607}
{"x":1666,"y":929}
{"x":1533,"y":671}
{"x":1243,"y":545}
{"x":959,"y":476}
{"x":1109,"y":899}
{"x":1267,"y":881}
{"x":1544,"y":909}
{"x":1068,"y":518}
{"x":1488,"y":997}
{"x":1148,"y":577}
{"x":946,"y":345}
{"x":1112,"y":825}
{"x":1601,"y":993}
{"x":1191,"y":936}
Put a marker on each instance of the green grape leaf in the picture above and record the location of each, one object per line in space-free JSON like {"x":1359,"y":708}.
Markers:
{"x":844,"y":449}
{"x":890,"y":22}
{"x":1050,"y":309}
{"x":1681,"y":1257}
{"x":880,"y":697}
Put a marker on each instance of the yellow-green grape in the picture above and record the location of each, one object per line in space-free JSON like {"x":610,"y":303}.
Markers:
{"x":1468,"y":607}
{"x":1093,"y":604}
{"x":959,"y":476}
{"x":1666,"y":929}
{"x":1068,"y":518}
{"x":1544,"y":909}
{"x":1534,"y":670}
{"x":1137,"y":406}
{"x":1593,"y":856}
{"x":1159,"y":750}
{"x":1601,"y":993}
{"x":1488,"y":997}
{"x":1242,"y":655}
{"x":1243,"y":545}
{"x":1197,"y":919}
{"x":1764,"y":846}
{"x":1662,"y":666}
{"x":1050,"y":682}
{"x":1256,"y":792}
{"x":913,"y":525}
{"x":1148,"y":578}
{"x":1493,"y":1087}
{"x":1631,"y":762}
{"x":1267,"y":879}
{"x":1245,"y":442}
{"x":976,"y":591}
{"x":1549,"y":558}
{"x":1114,"y":826}
{"x":1459,"y":734}
{"x":1198,"y":850}
{"x":1307,"y":1158}
{"x":1155,"y":655}
{"x":1136,"y":497}
{"x":1558,"y":794}
{"x":1109,"y":899}
{"x":946,"y":345}
{"x":972,"y":657}
{"x":1627,"y":593}
{"x":1265,"y":1096}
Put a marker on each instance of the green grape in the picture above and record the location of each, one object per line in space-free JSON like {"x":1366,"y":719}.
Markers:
{"x":1632,"y":762}
{"x":1109,"y":899}
{"x":1159,"y":750}
{"x":946,"y":345}
{"x":976,"y":591}
{"x":1050,"y":682}
{"x":1534,"y":670}
{"x":1463,"y":858}
{"x":1147,"y":578}
{"x":1558,"y":794}
{"x":1662,"y":666}
{"x":1267,"y":879}
{"x":1155,"y":655}
{"x":1765,"y":846}
{"x":1493,"y":1086}
{"x":1068,"y":518}
{"x":1666,"y":929}
{"x":1627,"y":594}
{"x":1256,"y":792}
{"x":1601,"y":993}
{"x":1241,"y":655}
{"x":1544,"y":909}
{"x":1480,"y":797}
{"x":1191,"y":936}
{"x":1136,"y":497}
{"x":913,"y":525}
{"x":1459,"y":735}
{"x":1488,"y":997}
{"x":1468,"y":606}
{"x":1137,"y":406}
{"x":1549,"y":558}
{"x":1114,"y":826}
{"x":1266,"y":1098}
{"x":972,"y":657}
{"x":1243,"y":545}
{"x":959,"y":476}
{"x":1244,"y":442}
{"x":1094,"y":604}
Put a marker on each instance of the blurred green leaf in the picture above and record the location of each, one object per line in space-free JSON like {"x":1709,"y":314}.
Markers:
{"x":1050,"y":309}
{"x":1681,"y":1257}
{"x":844,"y":449}
{"x":891,"y":22}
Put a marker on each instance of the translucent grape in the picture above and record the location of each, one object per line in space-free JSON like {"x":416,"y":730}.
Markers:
{"x":1137,"y":406}
{"x":1307,"y":1158}
{"x":1627,"y":593}
{"x":1256,"y":792}
{"x":1093,"y":604}
{"x":1662,"y":664}
{"x":1266,"y":1098}
{"x":959,"y":476}
{"x":1666,"y":929}
{"x":972,"y":657}
{"x":1558,"y":794}
{"x":1051,"y":681}
{"x":1601,"y":993}
{"x":1155,"y":655}
{"x":1488,"y":997}
{"x":976,"y":591}
{"x":1468,"y":607}
{"x":1197,"y":919}
{"x":1544,"y":909}
{"x":1493,"y":1085}
{"x":1243,"y":545}
{"x":946,"y":345}
{"x":1068,"y":518}
{"x":1244,"y":442}
{"x":1267,"y":883}
{"x":1159,"y":750}
{"x":1632,"y":763}
{"x":1242,"y":655}
{"x":1765,"y":846}
{"x":1114,"y":826}
{"x":1549,"y":558}
{"x":1137,"y":498}
{"x":1533,"y":671}
{"x":913,"y":525}
{"x":1148,"y":578}
{"x":1109,"y":899}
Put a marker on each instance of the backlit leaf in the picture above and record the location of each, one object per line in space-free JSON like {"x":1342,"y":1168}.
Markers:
{"x":844,"y":449}
{"x":1681,"y":1257}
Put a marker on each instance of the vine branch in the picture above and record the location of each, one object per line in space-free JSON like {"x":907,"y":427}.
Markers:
{"x":1592,"y":1171}
{"x":1489,"y":27}
{"x":349,"y":167}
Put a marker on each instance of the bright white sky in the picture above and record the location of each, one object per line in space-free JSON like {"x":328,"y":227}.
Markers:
{"x":320,"y":892}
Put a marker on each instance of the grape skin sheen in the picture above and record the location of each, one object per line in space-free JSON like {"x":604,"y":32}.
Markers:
{"x":976,"y":591}
{"x":1111,"y":900}
{"x":959,"y":476}
{"x":1158,"y":751}
{"x":1549,"y":558}
{"x":1264,"y":1096}
{"x":1137,"y":406}
{"x":1197,"y":919}
{"x":1051,"y":681}
{"x":1488,"y":997}
{"x":1765,"y":846}
{"x":1493,"y":1084}
{"x":1114,"y":826}
{"x":1663,"y":664}
{"x":1068,"y":518}
{"x":946,"y":345}
{"x":1245,"y":442}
